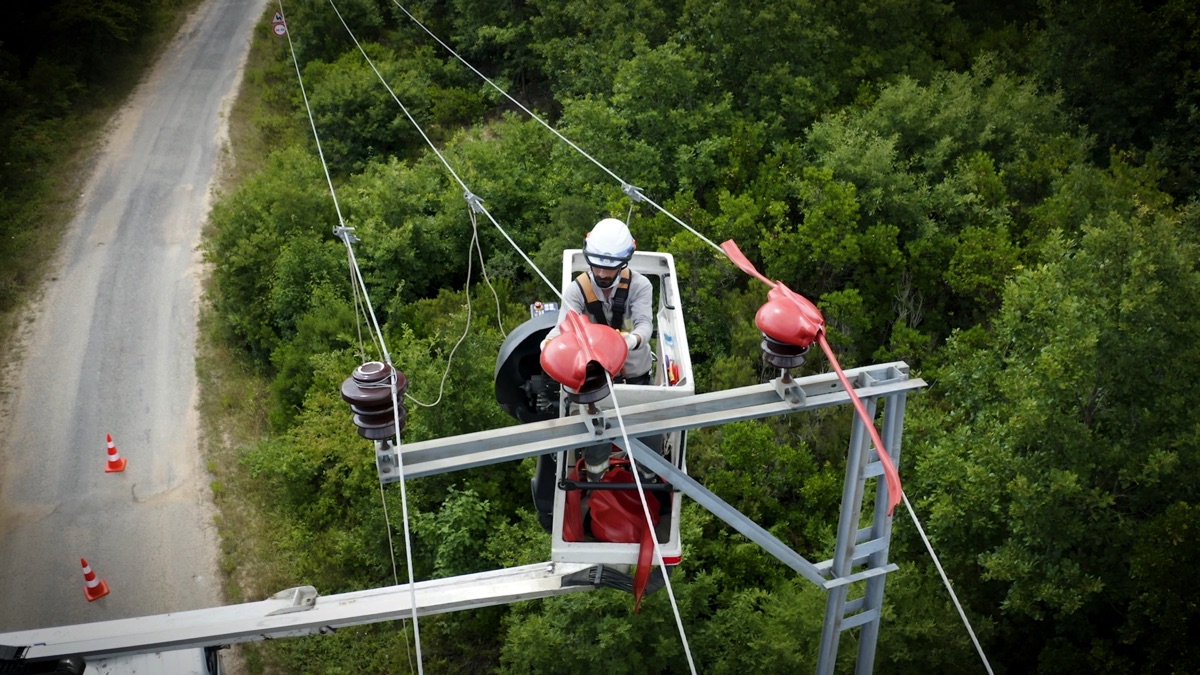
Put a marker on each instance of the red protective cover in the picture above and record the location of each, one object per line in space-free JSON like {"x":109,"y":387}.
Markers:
{"x":617,"y":517}
{"x":789,"y":317}
{"x":579,"y":343}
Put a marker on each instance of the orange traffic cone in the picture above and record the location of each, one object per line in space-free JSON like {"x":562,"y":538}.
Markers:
{"x":93,"y":587}
{"x":115,"y":461}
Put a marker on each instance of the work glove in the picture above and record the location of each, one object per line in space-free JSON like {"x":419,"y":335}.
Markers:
{"x":631,"y":340}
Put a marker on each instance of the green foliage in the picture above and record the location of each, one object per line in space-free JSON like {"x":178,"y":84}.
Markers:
{"x":752,"y":468}
{"x":770,"y":629}
{"x":598,"y":631}
{"x":772,"y":57}
{"x":923,"y":632}
{"x":280,"y":209}
{"x":320,"y":34}
{"x":358,"y":125}
{"x":1062,"y":443}
{"x":455,"y":532}
{"x":949,"y":216}
{"x":920,"y":191}
{"x":321,"y":329}
{"x":581,"y":44}
{"x":1150,"y":108}
{"x":1166,"y":551}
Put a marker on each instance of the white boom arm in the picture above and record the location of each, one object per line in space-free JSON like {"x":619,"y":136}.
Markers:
{"x":297,"y":611}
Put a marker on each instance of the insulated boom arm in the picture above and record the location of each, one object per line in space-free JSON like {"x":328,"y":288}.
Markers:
{"x":297,"y":611}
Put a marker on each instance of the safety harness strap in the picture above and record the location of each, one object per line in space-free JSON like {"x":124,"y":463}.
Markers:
{"x":594,"y":305}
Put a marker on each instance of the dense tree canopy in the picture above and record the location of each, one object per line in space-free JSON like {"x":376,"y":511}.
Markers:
{"x":62,"y":64}
{"x":988,"y":193}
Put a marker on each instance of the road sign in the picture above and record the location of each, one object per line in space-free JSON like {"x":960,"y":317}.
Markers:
{"x":280,"y":29}
{"x":278,"y":18}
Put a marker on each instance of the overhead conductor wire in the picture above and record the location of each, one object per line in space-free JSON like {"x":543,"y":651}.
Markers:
{"x":636,"y":195}
{"x":658,"y":556}
{"x":345,"y":234}
{"x":473,"y":201}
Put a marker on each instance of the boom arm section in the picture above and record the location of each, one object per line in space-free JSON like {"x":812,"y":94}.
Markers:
{"x":294,"y":612}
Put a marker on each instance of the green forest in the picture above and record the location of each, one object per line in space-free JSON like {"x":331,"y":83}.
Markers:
{"x":56,"y":95}
{"x":1002,"y":195}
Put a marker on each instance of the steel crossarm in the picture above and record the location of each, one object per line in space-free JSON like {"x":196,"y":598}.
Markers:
{"x":778,"y":397}
{"x":297,"y":611}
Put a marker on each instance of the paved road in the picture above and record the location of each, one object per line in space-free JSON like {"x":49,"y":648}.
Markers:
{"x":109,"y":349}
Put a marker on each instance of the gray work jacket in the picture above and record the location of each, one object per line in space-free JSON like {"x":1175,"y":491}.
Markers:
{"x":638,"y":317}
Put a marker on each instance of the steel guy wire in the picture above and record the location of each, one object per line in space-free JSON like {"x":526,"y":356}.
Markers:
{"x":486,"y":280}
{"x":360,"y":310}
{"x":473,"y":201}
{"x":347,"y":238}
{"x":945,"y":580}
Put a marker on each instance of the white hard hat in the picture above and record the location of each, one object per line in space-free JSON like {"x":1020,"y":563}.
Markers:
{"x":609,"y":245}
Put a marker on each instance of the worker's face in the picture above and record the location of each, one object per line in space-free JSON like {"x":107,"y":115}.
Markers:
{"x":605,"y":277}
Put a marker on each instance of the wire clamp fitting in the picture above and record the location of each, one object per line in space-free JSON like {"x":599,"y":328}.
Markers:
{"x":345,"y":234}
{"x":789,"y":390}
{"x":387,"y":461}
{"x":633,"y":192}
{"x":473,"y":201}
{"x":301,"y":599}
{"x":595,"y":421}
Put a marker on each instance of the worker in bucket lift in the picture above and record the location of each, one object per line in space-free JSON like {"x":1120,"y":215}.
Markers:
{"x":611,"y":294}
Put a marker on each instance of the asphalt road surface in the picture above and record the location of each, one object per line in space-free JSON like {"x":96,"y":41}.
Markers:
{"x":109,"y":349}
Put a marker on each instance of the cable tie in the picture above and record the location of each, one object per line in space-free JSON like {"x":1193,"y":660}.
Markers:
{"x":634,"y":192}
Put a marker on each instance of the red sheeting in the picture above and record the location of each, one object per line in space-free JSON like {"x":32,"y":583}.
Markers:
{"x":580,"y":342}
{"x":616,"y":517}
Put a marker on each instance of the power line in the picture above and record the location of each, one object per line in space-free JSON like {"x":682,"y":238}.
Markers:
{"x":474,"y":202}
{"x":662,"y":565}
{"x":945,"y":580}
{"x":633,"y":192}
{"x":346,"y":235}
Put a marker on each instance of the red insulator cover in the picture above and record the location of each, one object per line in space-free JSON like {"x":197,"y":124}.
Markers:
{"x":789,"y":317}
{"x":581,"y":342}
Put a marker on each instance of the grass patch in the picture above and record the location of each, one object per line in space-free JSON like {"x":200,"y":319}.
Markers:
{"x":257,"y":106}
{"x":234,"y":397}
{"x":233,"y":418}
